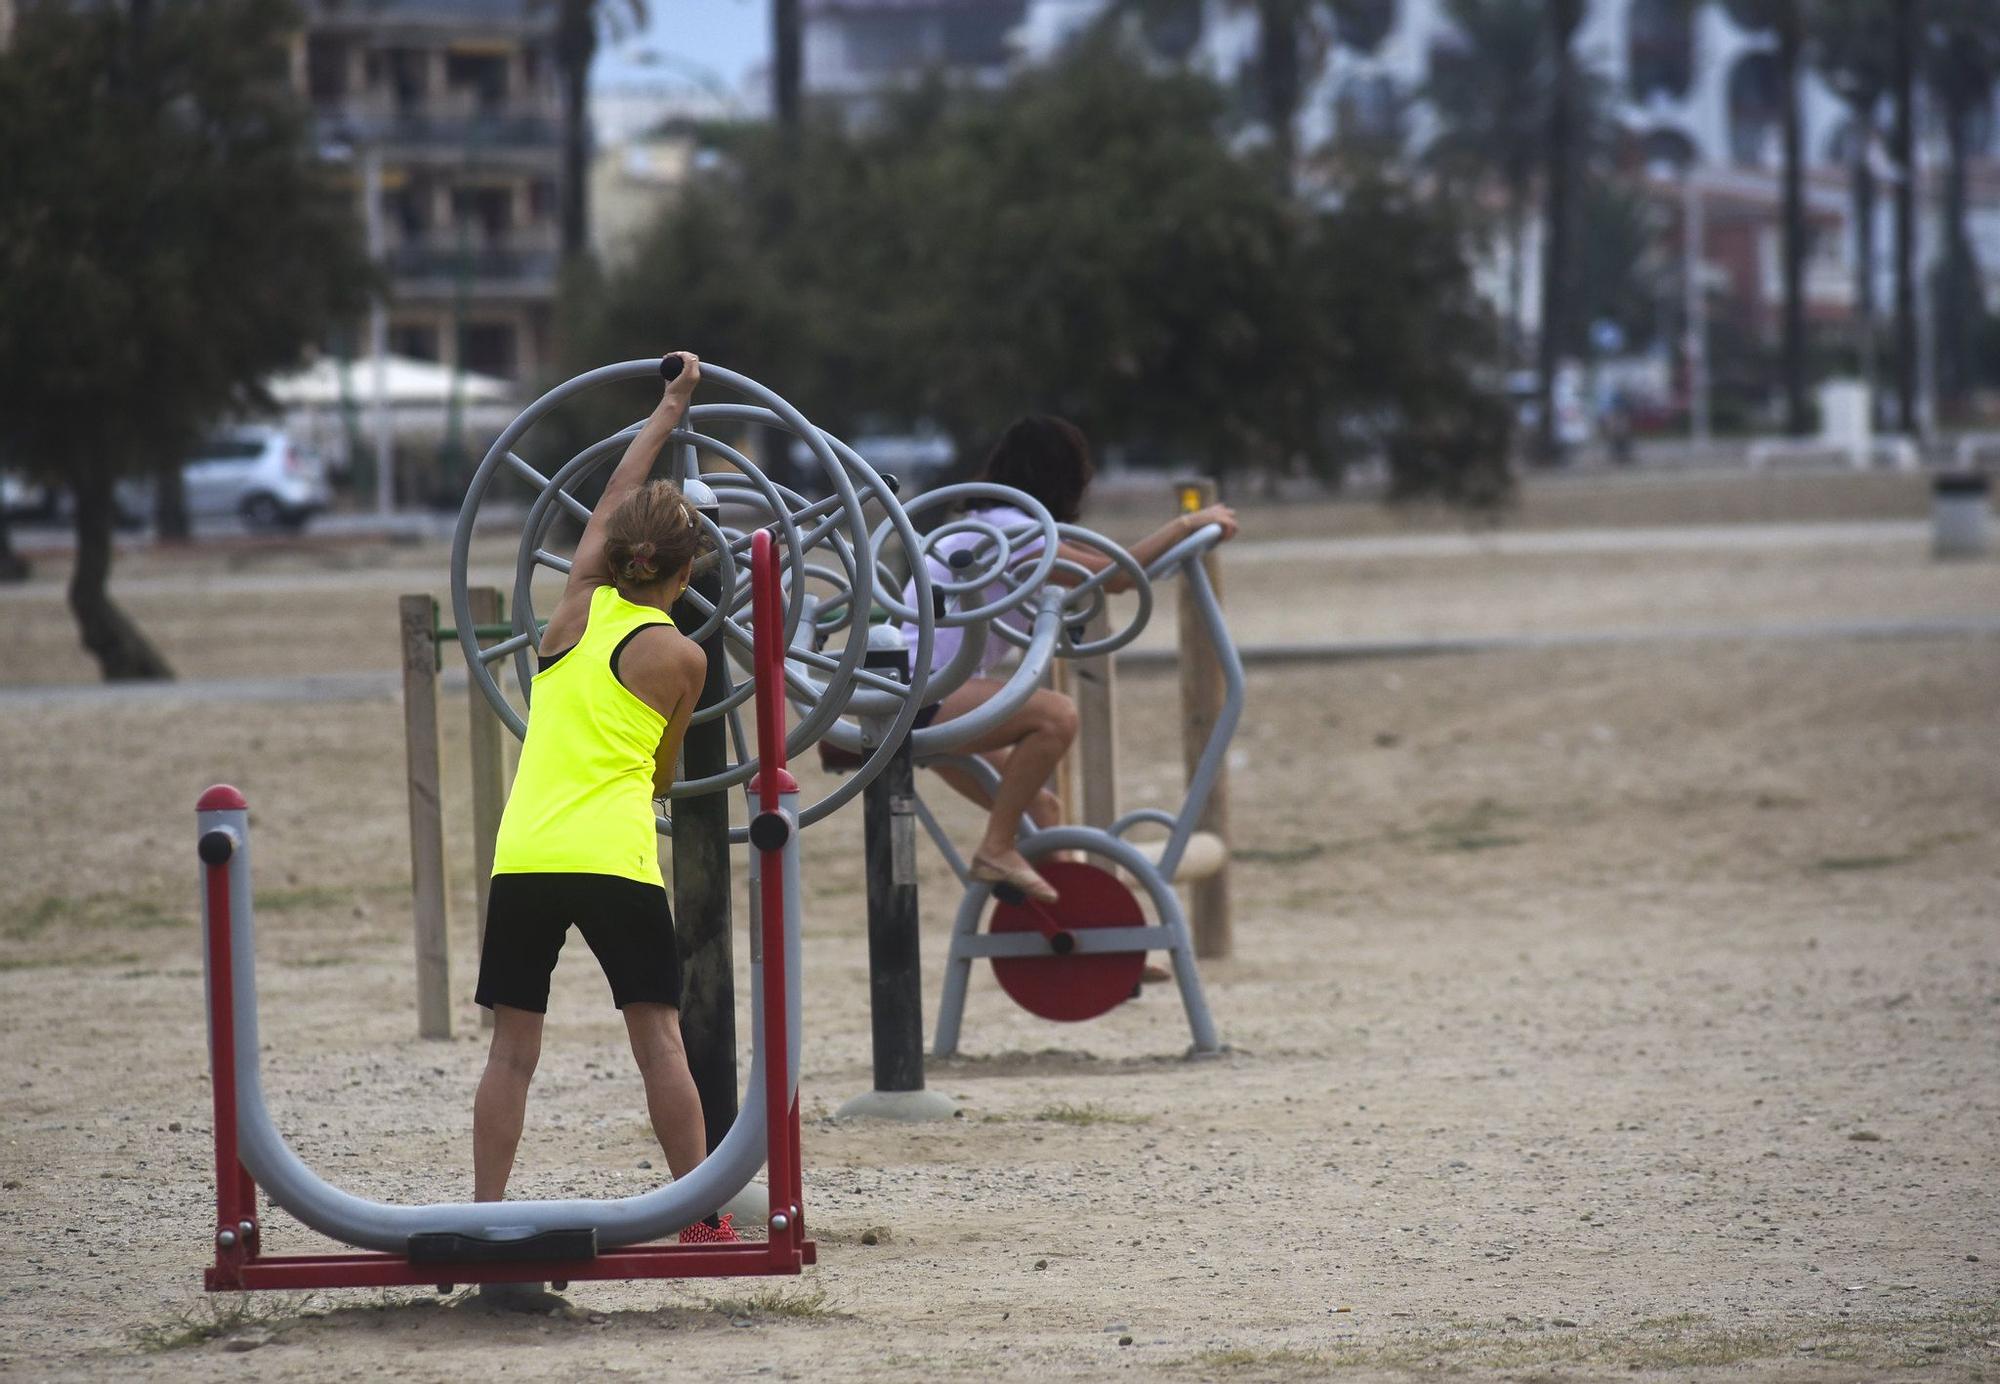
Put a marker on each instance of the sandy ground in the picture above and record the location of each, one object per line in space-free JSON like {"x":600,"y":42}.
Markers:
{"x":329,"y":605}
{"x":1625,"y":1011}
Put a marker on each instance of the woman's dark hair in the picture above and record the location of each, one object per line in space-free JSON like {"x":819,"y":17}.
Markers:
{"x":651,"y":535}
{"x":1047,"y":457}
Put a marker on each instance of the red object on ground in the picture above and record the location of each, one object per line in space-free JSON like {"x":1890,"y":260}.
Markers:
{"x":1080,"y":985}
{"x":240,"y":1264}
{"x":702,"y":1233}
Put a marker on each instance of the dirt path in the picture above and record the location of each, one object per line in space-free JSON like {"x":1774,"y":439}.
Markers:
{"x":1616,"y":1011}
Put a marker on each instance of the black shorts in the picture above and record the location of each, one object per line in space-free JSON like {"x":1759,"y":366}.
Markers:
{"x":626,"y":924}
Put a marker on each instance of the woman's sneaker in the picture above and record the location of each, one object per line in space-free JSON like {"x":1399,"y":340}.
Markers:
{"x":702,"y":1233}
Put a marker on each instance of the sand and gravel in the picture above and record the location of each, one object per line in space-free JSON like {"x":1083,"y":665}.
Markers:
{"x":1623,"y":1011}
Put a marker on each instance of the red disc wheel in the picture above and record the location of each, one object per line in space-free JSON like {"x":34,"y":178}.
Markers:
{"x":1079,"y":985}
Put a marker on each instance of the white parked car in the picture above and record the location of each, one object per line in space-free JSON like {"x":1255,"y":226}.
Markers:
{"x":252,"y":473}
{"x":257,"y":474}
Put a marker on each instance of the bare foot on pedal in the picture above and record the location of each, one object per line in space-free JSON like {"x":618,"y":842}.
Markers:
{"x":1012,"y":869}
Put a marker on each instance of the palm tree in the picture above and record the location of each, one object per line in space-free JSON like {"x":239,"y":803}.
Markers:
{"x":1560,"y":154}
{"x":1907,"y":18}
{"x":1785,"y":19}
{"x":1291,"y":36}
{"x":1490,"y":97}
{"x":1852,"y":45}
{"x":787,"y":66}
{"x":1964,"y":63}
{"x":574,"y":48}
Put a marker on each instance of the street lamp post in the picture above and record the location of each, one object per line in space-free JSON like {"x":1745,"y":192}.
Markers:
{"x":1694,"y":232}
{"x":378,"y":333}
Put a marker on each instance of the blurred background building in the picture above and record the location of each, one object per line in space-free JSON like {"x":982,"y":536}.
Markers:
{"x":446,"y":114}
{"x":1692,"y":99}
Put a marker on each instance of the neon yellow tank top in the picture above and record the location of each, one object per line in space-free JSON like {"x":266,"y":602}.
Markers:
{"x":582,"y":801}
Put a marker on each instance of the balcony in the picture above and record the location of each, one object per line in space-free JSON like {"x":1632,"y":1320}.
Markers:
{"x":520,"y":263}
{"x":454,"y":125}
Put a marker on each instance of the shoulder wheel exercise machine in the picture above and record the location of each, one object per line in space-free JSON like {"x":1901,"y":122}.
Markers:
{"x":799,"y":628}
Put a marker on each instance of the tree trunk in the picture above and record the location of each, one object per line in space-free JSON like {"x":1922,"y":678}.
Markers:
{"x":170,"y":514}
{"x":1957,"y":287}
{"x":787,"y":66}
{"x":1863,"y":176}
{"x":1903,"y":56}
{"x":1278,"y":80}
{"x":1563,"y":18}
{"x":13,"y":567}
{"x":1797,"y":418}
{"x":122,"y":652}
{"x":575,"y":46}
{"x":1517,"y":268}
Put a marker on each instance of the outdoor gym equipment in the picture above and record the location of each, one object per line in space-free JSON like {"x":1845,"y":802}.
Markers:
{"x":839,"y":574}
{"x":516,"y":1241}
{"x":1082,"y":955}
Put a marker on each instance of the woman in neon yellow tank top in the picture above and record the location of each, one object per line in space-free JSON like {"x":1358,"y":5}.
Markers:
{"x":577,"y":845}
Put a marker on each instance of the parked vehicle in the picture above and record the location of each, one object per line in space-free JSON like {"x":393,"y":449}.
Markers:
{"x":257,"y":474}
{"x":253,"y":473}
{"x":1573,"y":427}
{"x":917,"y":460}
{"x":28,"y":501}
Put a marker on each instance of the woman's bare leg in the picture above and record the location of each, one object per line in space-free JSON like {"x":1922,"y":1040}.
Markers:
{"x":502,"y":1102}
{"x":671,"y":1099}
{"x":1045,"y":811}
{"x":1035,"y":737}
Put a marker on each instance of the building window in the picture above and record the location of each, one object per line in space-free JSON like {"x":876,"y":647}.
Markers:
{"x":489,"y":211}
{"x":1363,"y":24}
{"x":407,"y":208}
{"x":326,"y":69}
{"x":487,"y":348}
{"x":1755,"y":107}
{"x":405,"y":71}
{"x":1660,"y":38}
{"x":418,"y":343}
{"x":483,"y":74}
{"x":541,"y":199}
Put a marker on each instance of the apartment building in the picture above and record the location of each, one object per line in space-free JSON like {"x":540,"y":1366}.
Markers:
{"x":856,"y":48}
{"x":448,"y":109}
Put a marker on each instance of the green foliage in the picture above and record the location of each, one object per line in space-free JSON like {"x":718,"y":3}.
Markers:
{"x":167,"y":244}
{"x":1490,"y":93}
{"x":1621,"y":274}
{"x":1085,"y":242}
{"x":1852,"y":42}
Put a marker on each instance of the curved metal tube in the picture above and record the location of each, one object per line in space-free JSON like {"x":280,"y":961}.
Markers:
{"x":378,"y":1225}
{"x":1013,"y":694}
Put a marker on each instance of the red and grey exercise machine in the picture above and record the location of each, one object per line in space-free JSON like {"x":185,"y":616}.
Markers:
{"x":997,"y":571}
{"x":451,"y":1243}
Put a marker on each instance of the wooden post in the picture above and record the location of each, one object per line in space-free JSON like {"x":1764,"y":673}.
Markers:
{"x":1096,"y":691}
{"x":489,"y":774}
{"x":1062,"y":678}
{"x":427,"y":896}
{"x":1201,"y":703}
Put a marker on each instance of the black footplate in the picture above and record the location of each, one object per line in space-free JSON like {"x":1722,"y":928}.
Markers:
{"x":449,"y":1247}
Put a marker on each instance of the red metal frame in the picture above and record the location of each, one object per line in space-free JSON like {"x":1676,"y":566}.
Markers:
{"x":240,"y":1264}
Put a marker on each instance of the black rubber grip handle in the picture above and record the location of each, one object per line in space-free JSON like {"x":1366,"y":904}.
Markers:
{"x":671,"y":367}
